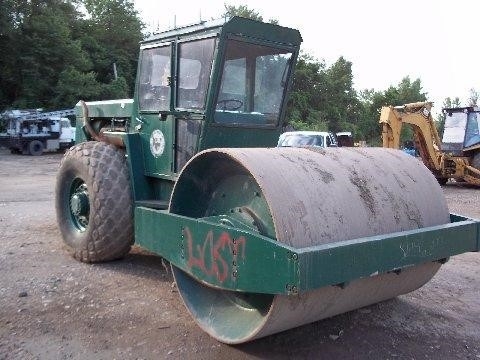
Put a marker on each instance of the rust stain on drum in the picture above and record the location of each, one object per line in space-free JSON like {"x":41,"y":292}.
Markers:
{"x":365,"y":193}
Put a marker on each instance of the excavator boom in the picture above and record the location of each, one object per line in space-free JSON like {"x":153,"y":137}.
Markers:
{"x":418,"y":115}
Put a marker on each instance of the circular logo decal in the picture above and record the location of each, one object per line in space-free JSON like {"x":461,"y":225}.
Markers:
{"x":157,"y":143}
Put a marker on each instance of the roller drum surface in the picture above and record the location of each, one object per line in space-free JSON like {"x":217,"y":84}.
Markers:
{"x":306,"y":197}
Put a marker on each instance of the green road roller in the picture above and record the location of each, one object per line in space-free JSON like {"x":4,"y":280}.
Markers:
{"x":260,"y":239}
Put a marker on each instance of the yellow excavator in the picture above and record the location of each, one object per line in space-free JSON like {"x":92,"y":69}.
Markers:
{"x":456,"y":157}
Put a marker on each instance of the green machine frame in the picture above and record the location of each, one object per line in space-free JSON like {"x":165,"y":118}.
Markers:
{"x":239,"y":259}
{"x":167,"y":122}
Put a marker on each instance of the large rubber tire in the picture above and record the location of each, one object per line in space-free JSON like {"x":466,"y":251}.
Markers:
{"x":94,"y":202}
{"x":35,"y":148}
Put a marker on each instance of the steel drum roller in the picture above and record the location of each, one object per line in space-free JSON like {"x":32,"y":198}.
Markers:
{"x":304,"y":197}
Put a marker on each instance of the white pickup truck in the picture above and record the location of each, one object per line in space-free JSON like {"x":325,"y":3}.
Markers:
{"x":307,"y":138}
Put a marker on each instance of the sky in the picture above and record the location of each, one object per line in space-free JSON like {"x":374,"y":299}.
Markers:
{"x":435,"y":41}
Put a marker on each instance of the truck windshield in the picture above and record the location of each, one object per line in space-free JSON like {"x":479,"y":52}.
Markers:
{"x":253,"y":84}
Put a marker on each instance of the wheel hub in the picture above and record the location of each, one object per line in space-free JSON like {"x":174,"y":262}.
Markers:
{"x":80,"y":205}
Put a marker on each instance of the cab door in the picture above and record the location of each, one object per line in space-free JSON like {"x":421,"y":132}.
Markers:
{"x":194,"y":64}
{"x":154,"y":97}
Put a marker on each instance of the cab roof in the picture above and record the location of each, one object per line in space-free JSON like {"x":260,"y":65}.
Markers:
{"x":235,"y":25}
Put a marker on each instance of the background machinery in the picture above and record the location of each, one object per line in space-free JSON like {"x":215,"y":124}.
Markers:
{"x":33,"y":131}
{"x":260,"y":239}
{"x":458,"y":157}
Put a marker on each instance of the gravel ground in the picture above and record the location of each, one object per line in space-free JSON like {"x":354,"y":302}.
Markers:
{"x":53,"y":307}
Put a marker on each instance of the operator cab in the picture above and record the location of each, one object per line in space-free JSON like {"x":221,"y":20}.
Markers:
{"x":252,"y":86}
{"x":212,"y":84}
{"x":461,"y":131}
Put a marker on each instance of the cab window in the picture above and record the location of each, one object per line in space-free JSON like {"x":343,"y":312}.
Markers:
{"x":195,"y":63}
{"x":253,"y":84}
{"x":154,"y":86}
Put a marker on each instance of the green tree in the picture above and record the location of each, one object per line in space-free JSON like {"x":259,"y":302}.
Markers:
{"x":308,"y":80}
{"x":111,"y":36}
{"x":371,"y":102}
{"x":323,"y":98}
{"x":74,"y":85}
{"x":405,"y":92}
{"x":10,"y":13}
{"x":243,"y":11}
{"x":369,"y":113}
{"x":246,"y":12}
{"x":473,"y":97}
{"x":340,"y":103}
{"x":56,"y":55}
{"x":46,"y":48}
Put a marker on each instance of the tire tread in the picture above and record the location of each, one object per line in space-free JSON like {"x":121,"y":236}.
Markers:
{"x":110,"y":231}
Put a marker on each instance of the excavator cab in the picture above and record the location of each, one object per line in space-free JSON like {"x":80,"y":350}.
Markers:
{"x":461,"y":130}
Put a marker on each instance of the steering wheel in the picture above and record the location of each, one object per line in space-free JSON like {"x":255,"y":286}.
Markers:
{"x":234,"y":104}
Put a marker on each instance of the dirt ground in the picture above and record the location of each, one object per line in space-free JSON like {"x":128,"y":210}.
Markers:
{"x":53,"y":307}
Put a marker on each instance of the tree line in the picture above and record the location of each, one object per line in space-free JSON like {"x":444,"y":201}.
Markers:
{"x":55,"y":52}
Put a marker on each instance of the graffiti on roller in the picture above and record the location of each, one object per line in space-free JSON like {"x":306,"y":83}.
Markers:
{"x":216,"y":256}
